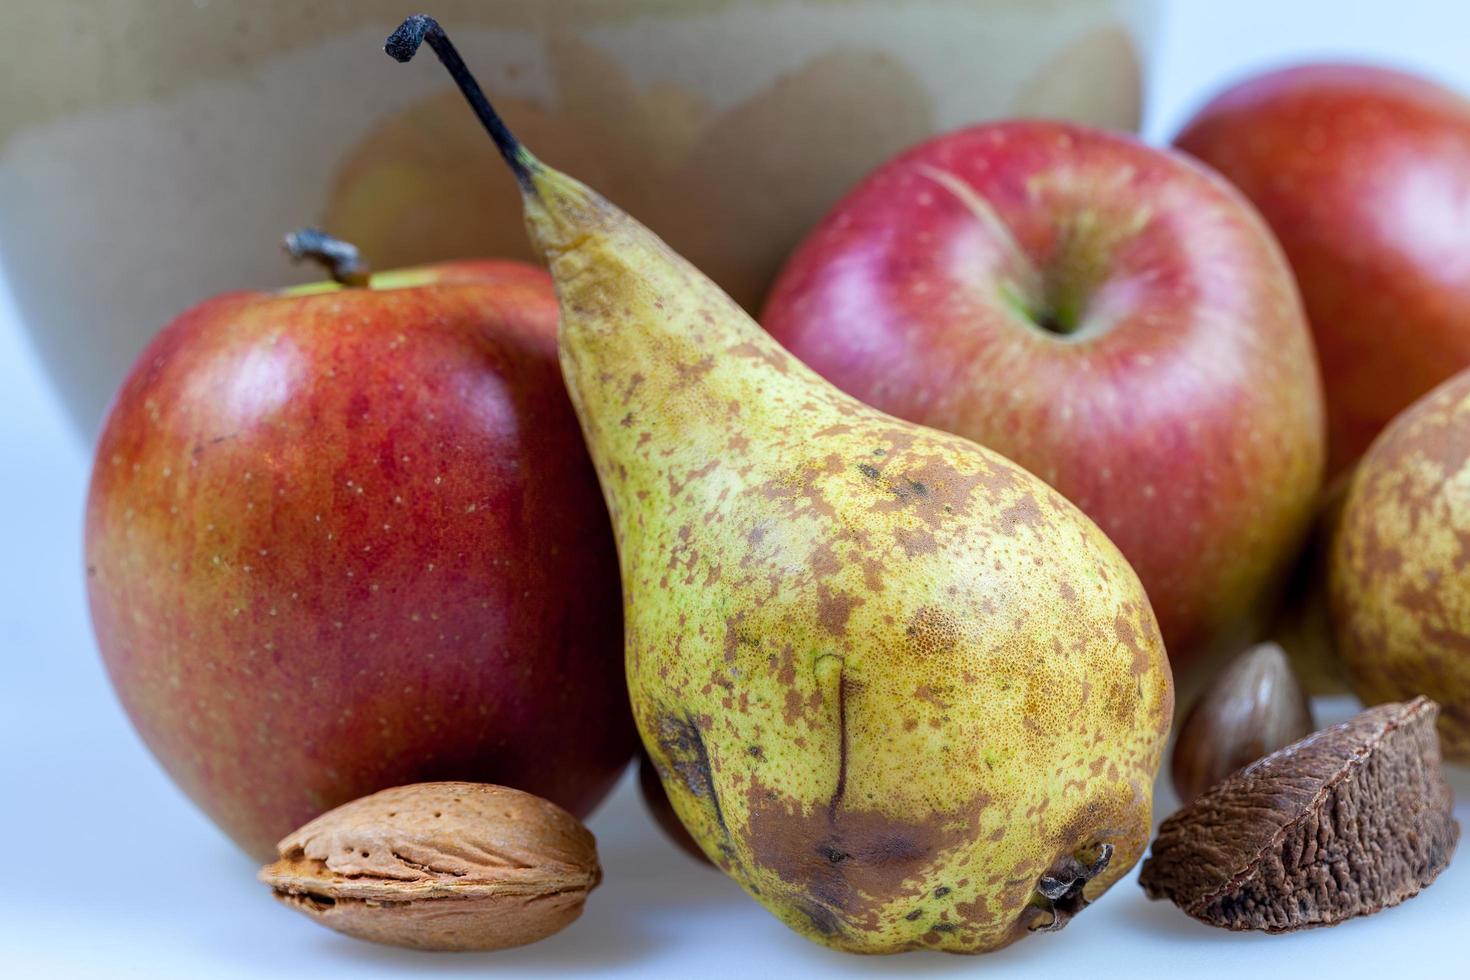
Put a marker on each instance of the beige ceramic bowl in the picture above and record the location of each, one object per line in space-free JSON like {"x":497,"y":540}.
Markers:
{"x":152,"y":152}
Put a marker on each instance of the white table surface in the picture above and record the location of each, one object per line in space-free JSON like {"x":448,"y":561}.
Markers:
{"x":109,"y":871}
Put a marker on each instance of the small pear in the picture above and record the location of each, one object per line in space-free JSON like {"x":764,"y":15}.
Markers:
{"x":1399,"y":565}
{"x":899,"y":689}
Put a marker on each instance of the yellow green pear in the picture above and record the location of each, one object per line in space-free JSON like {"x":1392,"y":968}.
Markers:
{"x":899,"y":689}
{"x":1399,"y":572}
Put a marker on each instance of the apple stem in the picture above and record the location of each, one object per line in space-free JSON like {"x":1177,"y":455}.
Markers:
{"x":404,"y":43}
{"x":341,"y":259}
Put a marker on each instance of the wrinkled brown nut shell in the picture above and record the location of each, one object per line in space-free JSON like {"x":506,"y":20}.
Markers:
{"x":451,"y":866}
{"x":1348,"y":821}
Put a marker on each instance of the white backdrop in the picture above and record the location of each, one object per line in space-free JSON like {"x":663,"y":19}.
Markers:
{"x":109,"y":871}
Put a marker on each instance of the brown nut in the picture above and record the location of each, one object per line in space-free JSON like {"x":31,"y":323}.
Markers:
{"x":1253,"y":708}
{"x":440,"y":866}
{"x":1346,"y":822}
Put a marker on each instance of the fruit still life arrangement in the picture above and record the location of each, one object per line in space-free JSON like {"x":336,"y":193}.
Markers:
{"x":888,"y":589}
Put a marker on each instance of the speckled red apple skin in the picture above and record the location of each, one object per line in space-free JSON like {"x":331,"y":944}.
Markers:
{"x":1185,"y":416}
{"x":345,"y":541}
{"x":1364,"y":175}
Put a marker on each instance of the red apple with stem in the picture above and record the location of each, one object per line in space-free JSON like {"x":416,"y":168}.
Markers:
{"x":1112,"y":317}
{"x":1364,"y":175}
{"x":340,"y":539}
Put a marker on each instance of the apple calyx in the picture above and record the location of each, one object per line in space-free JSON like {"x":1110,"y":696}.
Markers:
{"x":404,"y":43}
{"x":341,"y":259}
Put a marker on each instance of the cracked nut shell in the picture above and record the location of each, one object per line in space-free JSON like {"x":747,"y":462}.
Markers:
{"x":1348,"y":821}
{"x":452,"y":866}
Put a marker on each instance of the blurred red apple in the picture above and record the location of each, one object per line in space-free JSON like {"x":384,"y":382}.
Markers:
{"x":1110,"y":316}
{"x":344,"y":539}
{"x":1364,"y":175}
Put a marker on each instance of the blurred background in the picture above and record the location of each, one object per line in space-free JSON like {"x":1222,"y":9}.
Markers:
{"x":151,"y":154}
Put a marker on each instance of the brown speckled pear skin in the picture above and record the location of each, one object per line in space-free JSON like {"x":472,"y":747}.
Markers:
{"x":902,"y":691}
{"x":1399,"y":566}
{"x":450,"y":866}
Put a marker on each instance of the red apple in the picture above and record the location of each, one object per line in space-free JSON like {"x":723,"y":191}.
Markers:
{"x":1364,"y":175}
{"x":344,"y":539}
{"x":1112,"y":317}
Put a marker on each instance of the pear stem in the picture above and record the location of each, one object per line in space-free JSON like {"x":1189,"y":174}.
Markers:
{"x":404,"y":43}
{"x":341,"y":259}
